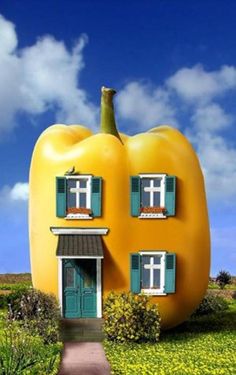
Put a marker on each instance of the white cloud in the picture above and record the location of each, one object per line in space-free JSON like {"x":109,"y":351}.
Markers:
{"x":14,"y":202}
{"x":211,"y":117}
{"x":218,"y":161}
{"x":145,"y":105}
{"x":197,"y":84}
{"x":41,"y":77}
{"x":8,"y":40}
{"x":18,"y":192}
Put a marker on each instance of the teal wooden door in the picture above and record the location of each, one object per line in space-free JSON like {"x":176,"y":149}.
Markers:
{"x":71,"y":284}
{"x":79,"y":285}
{"x":87,"y":269}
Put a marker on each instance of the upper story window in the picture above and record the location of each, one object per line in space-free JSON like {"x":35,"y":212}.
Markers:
{"x":153,"y":195}
{"x":78,"y":197}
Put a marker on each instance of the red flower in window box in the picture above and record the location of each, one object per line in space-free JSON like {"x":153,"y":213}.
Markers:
{"x":79,"y":210}
{"x":153,"y":210}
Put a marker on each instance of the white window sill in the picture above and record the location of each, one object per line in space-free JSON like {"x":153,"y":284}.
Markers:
{"x":153,"y":292}
{"x":78,"y":216}
{"x":152,"y":216}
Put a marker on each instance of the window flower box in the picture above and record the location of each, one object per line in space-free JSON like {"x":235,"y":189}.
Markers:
{"x":153,"y":210}
{"x":79,"y":210}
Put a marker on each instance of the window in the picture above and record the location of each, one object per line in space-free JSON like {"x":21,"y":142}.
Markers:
{"x":153,"y":272}
{"x":153,"y":195}
{"x":78,"y":197}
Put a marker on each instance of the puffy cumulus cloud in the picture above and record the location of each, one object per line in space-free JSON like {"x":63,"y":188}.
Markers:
{"x":145,"y":105}
{"x":40,"y":77}
{"x":20,"y":191}
{"x":211,"y":117}
{"x":8,"y":39}
{"x":196,"y":84}
{"x":14,"y":202}
{"x":17,"y":193}
{"x":217,"y":157}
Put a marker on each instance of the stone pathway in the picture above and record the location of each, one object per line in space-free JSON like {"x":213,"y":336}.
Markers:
{"x":84,"y":358}
{"x":83,"y":353}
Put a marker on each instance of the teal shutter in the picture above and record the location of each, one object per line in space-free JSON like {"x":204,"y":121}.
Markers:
{"x":135,"y":273}
{"x":60,"y":196}
{"x":96,"y":196}
{"x":170,"y":189}
{"x":170,"y":270}
{"x":135,"y":195}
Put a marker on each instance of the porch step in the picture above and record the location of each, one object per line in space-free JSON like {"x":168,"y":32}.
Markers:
{"x":82,"y":330}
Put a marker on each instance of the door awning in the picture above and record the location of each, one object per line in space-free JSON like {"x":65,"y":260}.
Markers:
{"x":79,"y":246}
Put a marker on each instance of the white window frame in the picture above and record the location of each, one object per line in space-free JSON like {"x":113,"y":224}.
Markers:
{"x":156,"y":291}
{"x":162,"y":176}
{"x":88,"y":196}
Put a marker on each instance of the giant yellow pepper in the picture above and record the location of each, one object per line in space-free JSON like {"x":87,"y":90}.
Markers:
{"x":116,"y":157}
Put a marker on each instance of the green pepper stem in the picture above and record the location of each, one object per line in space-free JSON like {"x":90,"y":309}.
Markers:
{"x":108,"y":123}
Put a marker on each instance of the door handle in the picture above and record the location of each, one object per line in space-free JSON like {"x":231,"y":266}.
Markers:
{"x":87,"y":291}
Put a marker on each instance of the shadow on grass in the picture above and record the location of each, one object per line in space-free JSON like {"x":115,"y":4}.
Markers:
{"x":220,"y":322}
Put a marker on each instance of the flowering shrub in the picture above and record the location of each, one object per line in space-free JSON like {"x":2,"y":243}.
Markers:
{"x":211,"y":304}
{"x":37,"y":312}
{"x":130,"y":317}
{"x":14,"y":294}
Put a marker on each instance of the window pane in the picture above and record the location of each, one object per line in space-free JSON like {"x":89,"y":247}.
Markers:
{"x":145,"y":195}
{"x":71,"y":197}
{"x":157,"y":279}
{"x":83,"y":183}
{"x":157,"y":182}
{"x":88,"y":281}
{"x":145,"y":182}
{"x":69,"y":277}
{"x":71,"y":183}
{"x":145,"y":199}
{"x":145,"y":272}
{"x":157,"y":259}
{"x":82,"y":200}
{"x":157,"y":198}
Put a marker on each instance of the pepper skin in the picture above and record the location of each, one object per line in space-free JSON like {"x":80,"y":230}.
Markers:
{"x":161,"y":150}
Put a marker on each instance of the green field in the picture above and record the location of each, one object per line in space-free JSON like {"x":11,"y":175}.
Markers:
{"x":204,"y":345}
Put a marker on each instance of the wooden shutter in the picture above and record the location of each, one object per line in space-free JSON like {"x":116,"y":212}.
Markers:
{"x":96,"y":196}
{"x":170,"y":190}
{"x":170,"y":271}
{"x":135,"y":195}
{"x":135,"y":286}
{"x":60,"y":196}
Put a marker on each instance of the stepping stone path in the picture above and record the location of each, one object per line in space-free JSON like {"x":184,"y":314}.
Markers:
{"x":83,"y":352}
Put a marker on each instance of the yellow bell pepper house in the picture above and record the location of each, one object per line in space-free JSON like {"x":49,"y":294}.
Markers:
{"x":113,"y":212}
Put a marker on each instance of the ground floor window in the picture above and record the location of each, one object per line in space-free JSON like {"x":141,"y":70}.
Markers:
{"x":153,"y":272}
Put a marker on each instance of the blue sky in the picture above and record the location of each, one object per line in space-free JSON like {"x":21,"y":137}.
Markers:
{"x":171,"y":62}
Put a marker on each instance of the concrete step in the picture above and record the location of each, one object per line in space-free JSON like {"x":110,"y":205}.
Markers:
{"x":82,"y":330}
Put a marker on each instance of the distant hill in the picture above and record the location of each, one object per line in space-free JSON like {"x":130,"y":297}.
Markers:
{"x":13,"y":278}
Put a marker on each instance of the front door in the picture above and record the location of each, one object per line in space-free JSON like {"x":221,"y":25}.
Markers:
{"x":79,"y":286}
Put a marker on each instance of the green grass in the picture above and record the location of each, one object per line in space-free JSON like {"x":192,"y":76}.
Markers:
{"x":204,"y":345}
{"x":15,"y":286}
